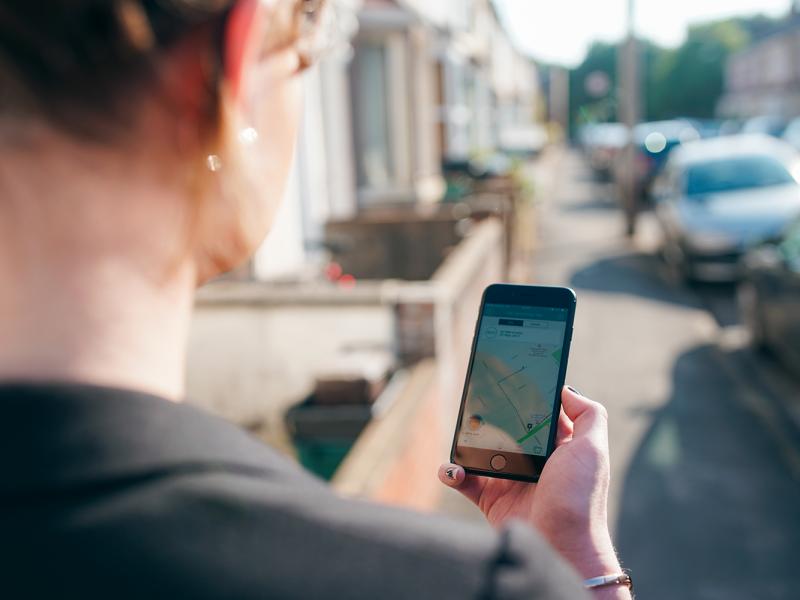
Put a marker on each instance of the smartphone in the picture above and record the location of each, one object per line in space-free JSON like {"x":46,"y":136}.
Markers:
{"x":509,"y":410}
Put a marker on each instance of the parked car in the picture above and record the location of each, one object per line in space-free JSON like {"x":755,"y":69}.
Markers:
{"x":707,"y":128}
{"x":769,"y":296}
{"x":792,"y":133}
{"x":654,"y":143}
{"x":601,"y":144}
{"x":773,"y":125}
{"x":730,"y":127}
{"x":718,"y":197}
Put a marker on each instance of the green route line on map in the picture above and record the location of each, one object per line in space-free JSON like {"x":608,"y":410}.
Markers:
{"x":534,"y":430}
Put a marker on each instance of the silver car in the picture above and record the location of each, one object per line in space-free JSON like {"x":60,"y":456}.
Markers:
{"x":718,"y":197}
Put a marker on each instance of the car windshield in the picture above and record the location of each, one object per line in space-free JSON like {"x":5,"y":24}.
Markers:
{"x":735,"y":174}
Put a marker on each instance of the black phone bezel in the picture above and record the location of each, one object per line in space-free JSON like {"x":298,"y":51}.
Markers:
{"x":519,"y":467}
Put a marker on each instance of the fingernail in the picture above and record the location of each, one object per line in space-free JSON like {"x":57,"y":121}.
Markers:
{"x":573,"y":390}
{"x":450,"y":473}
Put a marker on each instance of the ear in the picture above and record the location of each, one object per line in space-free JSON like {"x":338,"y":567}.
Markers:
{"x":244,"y":31}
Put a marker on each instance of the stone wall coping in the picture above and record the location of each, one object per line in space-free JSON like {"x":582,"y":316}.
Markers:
{"x":452,"y":276}
{"x":467,"y":259}
{"x":386,"y":436}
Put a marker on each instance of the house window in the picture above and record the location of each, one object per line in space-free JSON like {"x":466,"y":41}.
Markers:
{"x":371,"y":116}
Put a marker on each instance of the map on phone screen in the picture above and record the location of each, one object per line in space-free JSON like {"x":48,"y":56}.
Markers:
{"x":512,"y":387}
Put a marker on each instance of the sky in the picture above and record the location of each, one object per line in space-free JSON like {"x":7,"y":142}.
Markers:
{"x":560,"y":31}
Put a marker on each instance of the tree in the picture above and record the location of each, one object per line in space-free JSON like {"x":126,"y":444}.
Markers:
{"x":686,"y":81}
{"x":689,"y":80}
{"x":585,"y":107}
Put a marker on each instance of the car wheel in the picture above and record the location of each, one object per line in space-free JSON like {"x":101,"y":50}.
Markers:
{"x":747,"y":296}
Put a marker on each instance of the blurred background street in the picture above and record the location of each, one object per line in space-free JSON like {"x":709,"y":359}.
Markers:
{"x":645,"y":156}
{"x":706,"y":464}
{"x":705,"y":432}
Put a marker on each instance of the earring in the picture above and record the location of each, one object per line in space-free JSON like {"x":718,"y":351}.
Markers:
{"x":213,"y":163}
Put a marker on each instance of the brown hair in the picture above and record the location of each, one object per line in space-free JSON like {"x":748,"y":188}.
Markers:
{"x":81,"y":64}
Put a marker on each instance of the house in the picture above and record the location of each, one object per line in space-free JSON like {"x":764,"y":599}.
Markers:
{"x":764,"y":78}
{"x":322,"y":184}
{"x":413,"y":84}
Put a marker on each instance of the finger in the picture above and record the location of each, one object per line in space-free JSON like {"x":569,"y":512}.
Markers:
{"x":455,"y":477}
{"x":564,"y":433}
{"x":587,"y":416}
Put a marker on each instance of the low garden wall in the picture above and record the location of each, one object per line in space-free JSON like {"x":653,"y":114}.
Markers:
{"x":255,"y":348}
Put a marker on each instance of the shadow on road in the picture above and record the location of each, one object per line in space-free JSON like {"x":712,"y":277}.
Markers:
{"x":635,"y":273}
{"x":645,"y":275}
{"x":709,"y":509}
{"x":720,"y":300}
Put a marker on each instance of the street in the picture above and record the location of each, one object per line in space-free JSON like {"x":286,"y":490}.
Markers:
{"x":705,"y":498}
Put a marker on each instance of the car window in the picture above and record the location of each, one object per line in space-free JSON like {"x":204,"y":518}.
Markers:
{"x":735,"y":174}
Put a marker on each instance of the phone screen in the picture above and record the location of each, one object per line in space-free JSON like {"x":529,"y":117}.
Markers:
{"x":514,"y":379}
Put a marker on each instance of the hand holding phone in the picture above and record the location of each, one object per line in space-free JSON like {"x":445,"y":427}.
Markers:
{"x":569,"y":504}
{"x":515,"y":406}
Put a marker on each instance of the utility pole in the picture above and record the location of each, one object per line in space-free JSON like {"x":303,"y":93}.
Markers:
{"x":629,"y":108}
{"x":559,"y":99}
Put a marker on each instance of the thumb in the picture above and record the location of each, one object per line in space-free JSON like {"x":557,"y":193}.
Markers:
{"x":454,"y":476}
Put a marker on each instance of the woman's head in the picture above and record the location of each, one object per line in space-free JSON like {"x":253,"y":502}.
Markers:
{"x":202,"y":94}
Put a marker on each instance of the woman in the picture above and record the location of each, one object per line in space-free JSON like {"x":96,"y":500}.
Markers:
{"x":145,"y":145}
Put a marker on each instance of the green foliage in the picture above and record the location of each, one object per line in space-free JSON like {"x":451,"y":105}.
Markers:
{"x":601,"y":57}
{"x":689,"y":80}
{"x":685,"y":81}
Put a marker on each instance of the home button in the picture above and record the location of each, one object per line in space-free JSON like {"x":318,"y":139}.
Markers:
{"x":498,"y":462}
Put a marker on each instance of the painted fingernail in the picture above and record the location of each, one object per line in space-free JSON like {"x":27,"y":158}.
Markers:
{"x":450,"y":472}
{"x":573,"y":390}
